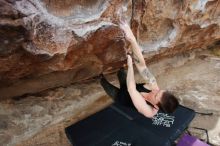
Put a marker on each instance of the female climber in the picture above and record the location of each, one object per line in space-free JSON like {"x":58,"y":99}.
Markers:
{"x":146,"y":97}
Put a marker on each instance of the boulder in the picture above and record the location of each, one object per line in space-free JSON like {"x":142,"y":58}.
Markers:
{"x":50,"y":43}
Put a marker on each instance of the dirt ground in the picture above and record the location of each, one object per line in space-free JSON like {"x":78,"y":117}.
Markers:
{"x":39,"y":120}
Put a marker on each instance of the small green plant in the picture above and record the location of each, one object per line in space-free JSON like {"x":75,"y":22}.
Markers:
{"x":216,"y":50}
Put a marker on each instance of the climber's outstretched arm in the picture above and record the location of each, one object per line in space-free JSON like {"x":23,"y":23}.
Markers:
{"x":139,"y":59}
{"x":136,"y":97}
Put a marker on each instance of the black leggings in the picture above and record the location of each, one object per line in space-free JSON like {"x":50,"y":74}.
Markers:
{"x":121,"y":95}
{"x":112,"y":90}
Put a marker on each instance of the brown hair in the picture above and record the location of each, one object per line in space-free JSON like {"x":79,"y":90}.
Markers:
{"x":168,"y":102}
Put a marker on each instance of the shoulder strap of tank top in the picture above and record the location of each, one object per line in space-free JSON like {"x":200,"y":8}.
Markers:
{"x":140,"y":87}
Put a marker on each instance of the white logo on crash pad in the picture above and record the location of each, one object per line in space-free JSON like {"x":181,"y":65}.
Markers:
{"x":162,"y":119}
{"x":119,"y":143}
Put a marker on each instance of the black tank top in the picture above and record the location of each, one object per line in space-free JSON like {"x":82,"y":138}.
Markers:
{"x":124,"y":97}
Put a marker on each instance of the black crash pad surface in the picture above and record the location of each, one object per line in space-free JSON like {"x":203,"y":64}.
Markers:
{"x":121,"y":126}
{"x":169,"y":126}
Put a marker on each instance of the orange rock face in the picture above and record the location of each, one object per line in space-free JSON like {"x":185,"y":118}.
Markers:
{"x":50,"y":43}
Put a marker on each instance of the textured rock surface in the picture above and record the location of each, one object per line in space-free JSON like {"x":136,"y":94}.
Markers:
{"x":41,"y":119}
{"x":50,"y":43}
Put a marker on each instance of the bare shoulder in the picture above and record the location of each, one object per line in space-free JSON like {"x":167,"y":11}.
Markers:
{"x":151,"y":86}
{"x":147,"y":86}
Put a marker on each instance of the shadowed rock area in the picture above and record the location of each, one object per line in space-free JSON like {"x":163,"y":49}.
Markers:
{"x":52,"y":43}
